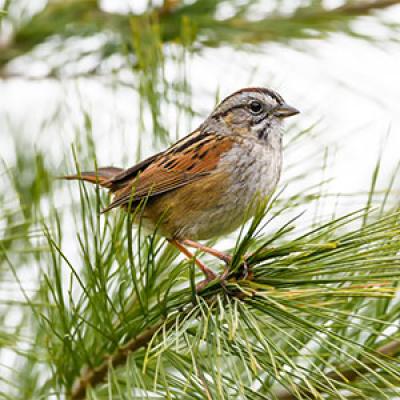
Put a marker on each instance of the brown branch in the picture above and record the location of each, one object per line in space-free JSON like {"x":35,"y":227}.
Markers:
{"x":93,"y":377}
{"x":390,"y":349}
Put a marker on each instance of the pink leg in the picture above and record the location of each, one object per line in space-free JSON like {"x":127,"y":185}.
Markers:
{"x":206,"y":271}
{"x":219,"y":254}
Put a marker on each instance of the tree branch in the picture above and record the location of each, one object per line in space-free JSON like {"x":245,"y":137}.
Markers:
{"x":93,"y":377}
{"x":390,"y":349}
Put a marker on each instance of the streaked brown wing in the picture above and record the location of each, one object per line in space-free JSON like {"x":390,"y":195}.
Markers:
{"x":118,"y":180}
{"x":188,"y":160}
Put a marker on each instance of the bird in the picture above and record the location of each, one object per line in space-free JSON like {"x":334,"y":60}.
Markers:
{"x":205,"y":184}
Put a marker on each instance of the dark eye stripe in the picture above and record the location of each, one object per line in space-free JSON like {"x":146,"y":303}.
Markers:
{"x":237,"y":106}
{"x":223,"y":113}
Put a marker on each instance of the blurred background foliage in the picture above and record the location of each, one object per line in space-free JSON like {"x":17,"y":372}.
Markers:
{"x":82,"y":294}
{"x":57,"y":23}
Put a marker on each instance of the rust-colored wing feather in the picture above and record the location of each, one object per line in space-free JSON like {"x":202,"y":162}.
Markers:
{"x":118,"y":180}
{"x":188,"y":160}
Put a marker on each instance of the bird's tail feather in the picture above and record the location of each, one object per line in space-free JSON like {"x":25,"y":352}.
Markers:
{"x":102,"y":176}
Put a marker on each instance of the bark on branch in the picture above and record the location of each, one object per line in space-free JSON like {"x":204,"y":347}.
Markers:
{"x":93,"y":377}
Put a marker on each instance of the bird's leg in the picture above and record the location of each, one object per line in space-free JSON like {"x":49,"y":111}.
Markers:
{"x":210,"y":275}
{"x":219,"y":254}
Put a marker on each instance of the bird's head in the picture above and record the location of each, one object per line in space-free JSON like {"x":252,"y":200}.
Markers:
{"x":252,"y":111}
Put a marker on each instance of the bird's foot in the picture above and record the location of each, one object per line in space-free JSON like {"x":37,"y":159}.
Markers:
{"x":226,"y":258}
{"x":243,"y":272}
{"x":210,"y":275}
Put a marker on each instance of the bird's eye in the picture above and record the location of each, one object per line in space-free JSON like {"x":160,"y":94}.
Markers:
{"x":256,"y":107}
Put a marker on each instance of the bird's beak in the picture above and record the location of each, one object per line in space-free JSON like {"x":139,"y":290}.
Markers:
{"x":284,"y":111}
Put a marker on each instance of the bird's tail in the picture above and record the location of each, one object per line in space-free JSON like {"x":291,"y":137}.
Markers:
{"x":102,"y":176}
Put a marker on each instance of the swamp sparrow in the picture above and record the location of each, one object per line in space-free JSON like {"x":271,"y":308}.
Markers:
{"x":201,"y":187}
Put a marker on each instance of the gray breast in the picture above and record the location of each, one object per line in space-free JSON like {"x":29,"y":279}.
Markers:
{"x":255,"y":168}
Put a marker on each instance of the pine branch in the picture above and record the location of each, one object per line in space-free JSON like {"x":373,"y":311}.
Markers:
{"x":350,"y":374}
{"x":91,"y":378}
{"x":96,"y":376}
